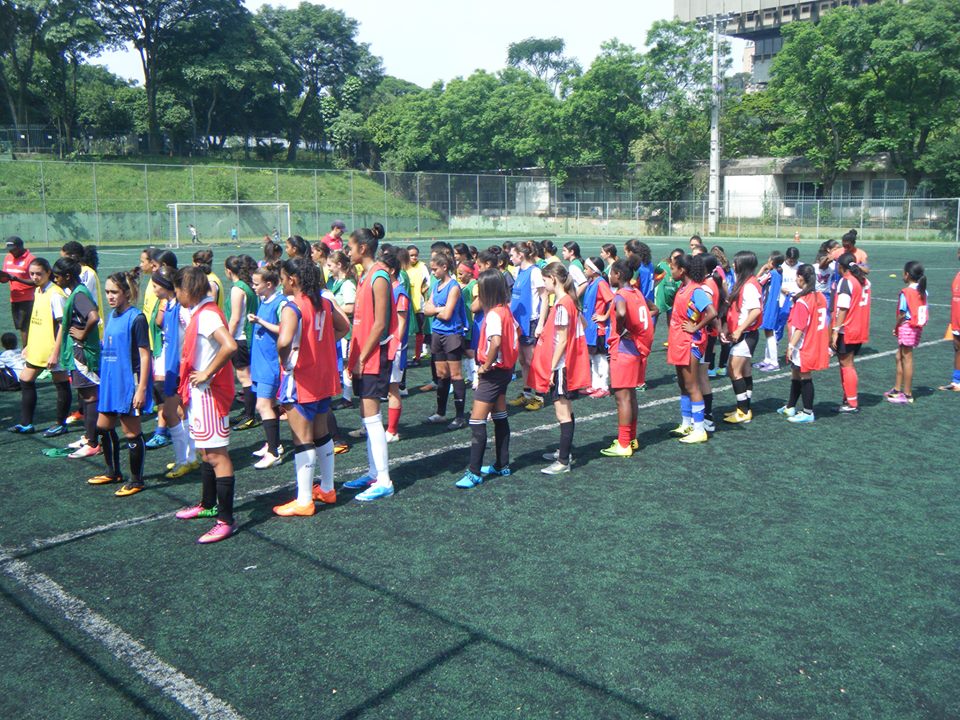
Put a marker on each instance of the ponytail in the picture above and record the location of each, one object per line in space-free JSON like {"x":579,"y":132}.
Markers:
{"x":809,"y":275}
{"x":744,"y":266}
{"x":914,"y":270}
{"x":127,"y":282}
{"x":559,"y":274}
{"x":848,"y":263}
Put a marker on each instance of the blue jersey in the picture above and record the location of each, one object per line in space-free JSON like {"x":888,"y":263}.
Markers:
{"x":457,"y":324}
{"x":589,"y":308}
{"x":123,"y":337}
{"x":521,"y":300}
{"x":172,"y":338}
{"x":645,"y":281}
{"x":771,"y":300}
{"x":264,"y":361}
{"x":699,"y":302}
{"x":400,"y":291}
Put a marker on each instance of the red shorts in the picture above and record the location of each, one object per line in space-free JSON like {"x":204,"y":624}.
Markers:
{"x":627,"y":371}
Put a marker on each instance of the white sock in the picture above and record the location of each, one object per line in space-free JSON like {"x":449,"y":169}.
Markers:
{"x":181,"y":443}
{"x":371,"y":465}
{"x":325,"y":463}
{"x":191,"y":448}
{"x":347,"y":387}
{"x":595,"y":371}
{"x":603,"y":370}
{"x":377,"y":448}
{"x":772,"y":350}
{"x":305,"y":461}
{"x":469,"y":367}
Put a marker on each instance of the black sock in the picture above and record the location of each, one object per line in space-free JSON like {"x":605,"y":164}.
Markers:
{"x":28,"y":401}
{"x":443,"y":393}
{"x":137,"y":456}
{"x":63,"y":401}
{"x":749,"y":385}
{"x":806,"y":390}
{"x":271,"y":428}
{"x":566,"y":441}
{"x":433,"y":368}
{"x":224,"y":489}
{"x":249,"y":402}
{"x":711,"y":354}
{"x":208,"y":485}
{"x":739,"y":389}
{"x":111,"y":451}
{"x":501,"y":434}
{"x":794,"y":393}
{"x":708,"y":406}
{"x":478,"y":444}
{"x":724,"y":354}
{"x":459,"y":396}
{"x":90,"y":422}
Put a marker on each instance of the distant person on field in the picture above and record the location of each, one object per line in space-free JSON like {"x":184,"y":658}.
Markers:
{"x":11,"y":362}
{"x":334,"y":238}
{"x":194,"y":237}
{"x":16,"y":271}
{"x":233,"y":235}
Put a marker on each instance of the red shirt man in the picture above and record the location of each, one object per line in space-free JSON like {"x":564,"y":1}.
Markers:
{"x":334,"y":239}
{"x":16,"y":267}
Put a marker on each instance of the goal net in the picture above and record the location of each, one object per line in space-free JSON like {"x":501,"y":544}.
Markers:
{"x":223,"y":223}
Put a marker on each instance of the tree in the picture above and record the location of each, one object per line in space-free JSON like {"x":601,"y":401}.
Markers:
{"x":21,"y":34}
{"x":544,"y":59}
{"x":748,"y":122}
{"x":105,"y":103}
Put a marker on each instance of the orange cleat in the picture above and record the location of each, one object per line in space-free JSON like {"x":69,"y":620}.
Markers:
{"x":329,"y":497}
{"x":294,"y":509}
{"x":103,"y":480}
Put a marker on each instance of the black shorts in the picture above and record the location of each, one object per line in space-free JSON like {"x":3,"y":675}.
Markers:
{"x":559,"y":388}
{"x":447,"y":348}
{"x":492,"y":384}
{"x":530,"y":337}
{"x":600,"y":348}
{"x":843,"y":348}
{"x":241,"y":358}
{"x":371,"y":385}
{"x":420,"y":324}
{"x":21,"y":314}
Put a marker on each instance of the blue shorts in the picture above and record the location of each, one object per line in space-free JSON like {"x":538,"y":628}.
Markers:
{"x":311,"y":409}
{"x":266,"y":390}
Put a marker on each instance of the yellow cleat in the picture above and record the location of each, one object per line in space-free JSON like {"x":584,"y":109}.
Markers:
{"x":519,"y":401}
{"x":129,"y":490}
{"x":695,"y":436}
{"x":617,"y":450}
{"x":178,"y":471}
{"x":739,"y":417}
{"x":681,"y":431}
{"x":103,"y":480}
{"x":534,"y":403}
{"x":635,"y":445}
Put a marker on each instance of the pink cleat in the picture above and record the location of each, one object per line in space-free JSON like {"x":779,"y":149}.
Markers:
{"x":220,"y":531}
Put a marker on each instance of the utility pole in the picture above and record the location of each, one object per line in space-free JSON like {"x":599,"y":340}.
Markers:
{"x":714,"y":187}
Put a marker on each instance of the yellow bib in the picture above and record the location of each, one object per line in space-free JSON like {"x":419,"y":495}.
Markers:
{"x":150,"y":301}
{"x":418,"y":276}
{"x":221,"y":300}
{"x":41,"y":337}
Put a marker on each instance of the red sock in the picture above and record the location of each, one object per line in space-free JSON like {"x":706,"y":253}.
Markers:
{"x":623,"y":435}
{"x":419,"y":347}
{"x":848,"y":379}
{"x":634,"y":428}
{"x":393,"y":419}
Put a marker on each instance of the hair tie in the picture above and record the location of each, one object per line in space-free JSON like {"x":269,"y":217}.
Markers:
{"x":593,"y":267}
{"x":465,"y":268}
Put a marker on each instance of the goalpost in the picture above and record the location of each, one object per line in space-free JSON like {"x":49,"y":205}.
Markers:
{"x":227,"y":222}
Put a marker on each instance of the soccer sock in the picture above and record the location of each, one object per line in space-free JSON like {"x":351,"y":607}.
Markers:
{"x":63,"y":401}
{"x":111,"y":451}
{"x":393,"y":419}
{"x":686,"y":412}
{"x":528,"y":392}
{"x":478,"y":444}
{"x":469,"y":368}
{"x":224,"y":490}
{"x":566,"y":441}
{"x":956,"y":377}
{"x":178,"y":433}
{"x":324,"y":447}
{"x":347,"y":387}
{"x":848,"y":378}
{"x":249,"y":402}
{"x":624,"y":435}
{"x":604,"y":370}
{"x":772,"y":350}
{"x":208,"y":485}
{"x":708,"y":406}
{"x":443,"y":393}
{"x":724,"y":354}
{"x":595,"y":371}
{"x":501,"y":433}
{"x":161,"y":431}
{"x":794,"y":393}
{"x":332,"y":427}
{"x":90,"y":422}
{"x":191,"y":448}
{"x":633,"y":429}
{"x":137,"y":456}
{"x":806,"y":390}
{"x":377,"y":442}
{"x":740,"y":390}
{"x":748,"y":384}
{"x":433,"y":370}
{"x":459,"y":396}
{"x":697,"y":411}
{"x":28,"y":401}
{"x":271,"y":429}
{"x":305,"y":459}
{"x":418,"y":347}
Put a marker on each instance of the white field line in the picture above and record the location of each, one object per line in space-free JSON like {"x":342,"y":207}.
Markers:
{"x":42,"y":543}
{"x":929,"y":303}
{"x":125,"y":649}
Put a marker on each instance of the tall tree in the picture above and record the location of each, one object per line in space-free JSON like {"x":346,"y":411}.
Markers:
{"x":21,"y":37}
{"x":544,"y":59}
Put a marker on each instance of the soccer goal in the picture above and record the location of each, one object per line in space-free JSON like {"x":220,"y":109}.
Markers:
{"x":219,"y":223}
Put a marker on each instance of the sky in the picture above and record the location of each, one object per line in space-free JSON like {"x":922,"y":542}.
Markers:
{"x":428,"y":40}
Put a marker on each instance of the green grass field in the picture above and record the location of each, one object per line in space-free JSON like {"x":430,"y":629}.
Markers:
{"x":778,"y":571}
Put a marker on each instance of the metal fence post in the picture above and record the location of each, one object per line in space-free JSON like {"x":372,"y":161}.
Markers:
{"x":449,"y":203}
{"x":909,"y":208}
{"x":506,"y":214}
{"x":863,"y":204}
{"x":777,"y":232}
{"x":818,"y":218}
{"x":478,"y":197}
{"x":316,"y":202}
{"x":43,"y":203}
{"x":418,"y":204}
{"x":385,"y":223}
{"x":96,"y":203}
{"x":146,"y":199}
{"x":236,"y":194}
{"x":669,"y":218}
{"x":956,"y":236}
{"x":353,"y":208}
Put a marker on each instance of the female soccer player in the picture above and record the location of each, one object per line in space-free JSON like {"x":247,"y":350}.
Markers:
{"x":419,"y":274}
{"x":560,"y":365}
{"x":954,"y":383}
{"x":851,"y":326}
{"x":742,"y":323}
{"x":631,"y":334}
{"x":125,"y":383}
{"x":203,"y":259}
{"x":497,"y":354}
{"x":401,"y":301}
{"x":527,"y":303}
{"x":912,"y":315}
{"x":596,"y":311}
{"x":45,"y":319}
{"x":264,"y":361}
{"x":608,"y":253}
{"x":446,"y":308}
{"x":343,"y":285}
{"x":306,"y":345}
{"x":243,"y":302}
{"x":770,"y":278}
{"x":807,"y":344}
{"x":466,"y":277}
{"x":571,"y":256}
{"x":206,"y":390}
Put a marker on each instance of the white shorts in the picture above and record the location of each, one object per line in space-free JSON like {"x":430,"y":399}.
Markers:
{"x":746,"y":346}
{"x":396,"y":374}
{"x":207,"y":428}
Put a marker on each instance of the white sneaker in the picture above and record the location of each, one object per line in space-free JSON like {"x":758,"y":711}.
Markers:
{"x":267,"y":460}
{"x":360,"y":432}
{"x":393,"y":437}
{"x":263,"y":451}
{"x":79,"y":443}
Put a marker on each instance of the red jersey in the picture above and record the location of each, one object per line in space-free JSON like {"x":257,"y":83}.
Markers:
{"x":363,"y":318}
{"x":509,"y":350}
{"x":710,"y":287}
{"x":917,"y":305}
{"x":316,"y":373}
{"x":604,"y":298}
{"x":809,"y":315}
{"x":221,"y":384}
{"x":955,"y":304}
{"x":402,"y":301}
{"x":679,"y":341}
{"x":637,"y":320}
{"x":332,"y":242}
{"x":733,"y":314}
{"x":576,"y":359}
{"x":20,"y":268}
{"x":856,"y":325}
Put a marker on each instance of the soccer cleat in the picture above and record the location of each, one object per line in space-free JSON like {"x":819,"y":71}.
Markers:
{"x":492,"y":470}
{"x":600,"y":393}
{"x":404,"y":392}
{"x":245,"y":423}
{"x":344,"y":404}
{"x":77,"y":444}
{"x":899,"y":399}
{"x":375,"y":492}
{"x":721,"y":372}
{"x":392,"y":437}
{"x":268,"y":460}
{"x":762,"y":365}
{"x":295,"y":508}
{"x":55,"y":431}
{"x":436,"y":419}
{"x":642,"y":388}
{"x":84,"y":451}
{"x":362,"y":482}
{"x":788,"y":411}
{"x":635,"y":445}
{"x":801,"y":418}
{"x":220,"y":531}
{"x":457,"y":424}
{"x":339,"y":448}
{"x":955,"y":387}
{"x":770,"y":367}
{"x":178,"y":471}
{"x":196,"y":511}
{"x":328,"y":497}
{"x":846,"y":409}
{"x":104,"y":479}
{"x":360,"y":432}
{"x":711,"y":373}
{"x":157,"y":441}
{"x":555,"y":455}
{"x":555,"y":468}
{"x":429,"y":387}
{"x":709,"y":425}
{"x":519,"y":401}
{"x":129,"y":489}
{"x":681,"y":430}
{"x":469,"y":480}
{"x":739,"y":417}
{"x":74,"y":418}
{"x":694,"y":437}
{"x":891,"y":392}
{"x":535,"y":403}
{"x":615,"y":450}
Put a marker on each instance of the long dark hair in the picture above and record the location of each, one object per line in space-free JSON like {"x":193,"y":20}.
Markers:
{"x":573,"y":247}
{"x":492,"y":289}
{"x":308,"y":275}
{"x":69,"y":268}
{"x":242,"y":266}
{"x":693,"y":267}
{"x":914,"y":270}
{"x":299,"y":245}
{"x":711,"y":266}
{"x":848,"y":263}
{"x":640,"y":249}
{"x":745,"y":267}
{"x":623,"y":270}
{"x":809,"y":275}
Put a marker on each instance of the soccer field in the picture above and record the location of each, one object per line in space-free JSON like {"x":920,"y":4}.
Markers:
{"x":777,"y":571}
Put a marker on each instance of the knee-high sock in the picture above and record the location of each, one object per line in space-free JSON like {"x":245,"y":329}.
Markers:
{"x":708,"y":406}
{"x":191,"y":448}
{"x":771,"y":354}
{"x":418,"y":346}
{"x":225,"y":487}
{"x":137,"y":455}
{"x":393,"y":419}
{"x":178,"y":434}
{"x":806,"y":390}
{"x":604,"y":371}
{"x":595,"y":371}
{"x":208,"y":485}
{"x":332,"y":426}
{"x":305,"y":459}
{"x":724,"y":354}
{"x":63,"y":401}
{"x":324,"y":447}
{"x":469,"y":368}
{"x":686,"y":414}
{"x":249,"y":402}
{"x":748,"y":384}
{"x":90,"y":422}
{"x":459,"y":396}
{"x":849,"y":380}
{"x":443,"y":394}
{"x":111,"y":451}
{"x":697,"y":410}
{"x":347,"y":387}
{"x":794,"y":393}
{"x":501,"y":434}
{"x":271,"y":429}
{"x":740,"y":390}
{"x":377,"y":442}
{"x":28,"y":401}
{"x":566,"y":441}
{"x":478,"y":444}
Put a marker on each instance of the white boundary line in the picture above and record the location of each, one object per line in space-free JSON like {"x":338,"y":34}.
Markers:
{"x":929,"y":303}
{"x":125,"y":649}
{"x":43,"y":543}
